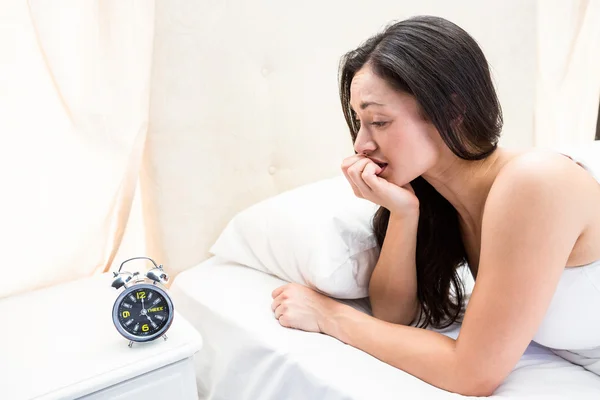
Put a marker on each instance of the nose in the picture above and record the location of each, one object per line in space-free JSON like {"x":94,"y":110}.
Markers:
{"x":364,"y":142}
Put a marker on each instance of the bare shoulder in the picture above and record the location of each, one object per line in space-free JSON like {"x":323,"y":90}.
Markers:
{"x":542,"y":164}
{"x":538,"y":173}
{"x":542,"y":185}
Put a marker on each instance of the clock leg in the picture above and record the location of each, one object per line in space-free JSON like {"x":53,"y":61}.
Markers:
{"x":165,"y":337}
{"x":130,"y":344}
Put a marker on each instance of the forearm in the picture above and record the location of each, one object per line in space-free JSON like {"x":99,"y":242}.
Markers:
{"x":427,"y":355}
{"x":393,"y":285}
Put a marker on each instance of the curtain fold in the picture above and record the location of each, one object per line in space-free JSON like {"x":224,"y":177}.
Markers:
{"x":75,"y":87}
{"x":568,"y":74}
{"x":74,"y":99}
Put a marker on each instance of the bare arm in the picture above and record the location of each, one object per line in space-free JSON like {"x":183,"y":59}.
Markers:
{"x":524,"y":252}
{"x":393,"y":285}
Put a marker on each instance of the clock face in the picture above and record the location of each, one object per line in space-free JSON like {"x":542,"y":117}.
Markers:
{"x":143,"y":312}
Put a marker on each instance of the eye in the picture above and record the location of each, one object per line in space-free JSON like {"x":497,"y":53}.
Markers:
{"x":379,"y":124}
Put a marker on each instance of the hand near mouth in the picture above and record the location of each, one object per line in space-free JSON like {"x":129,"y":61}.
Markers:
{"x":367,"y":177}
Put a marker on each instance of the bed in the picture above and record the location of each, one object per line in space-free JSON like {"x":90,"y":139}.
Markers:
{"x":244,"y":108}
{"x":248,"y":355}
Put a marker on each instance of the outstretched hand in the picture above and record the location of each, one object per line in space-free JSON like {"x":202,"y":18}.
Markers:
{"x":299,"y":307}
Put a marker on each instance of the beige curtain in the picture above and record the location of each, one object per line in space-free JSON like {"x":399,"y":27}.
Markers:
{"x":568,"y":73}
{"x":74,"y":97}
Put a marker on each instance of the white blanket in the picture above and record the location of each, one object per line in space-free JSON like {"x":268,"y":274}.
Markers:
{"x":248,"y":355}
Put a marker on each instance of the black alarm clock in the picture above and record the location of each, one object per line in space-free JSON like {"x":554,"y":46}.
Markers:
{"x":143,"y":311}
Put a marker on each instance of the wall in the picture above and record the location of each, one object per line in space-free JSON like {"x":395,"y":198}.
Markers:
{"x":244,"y":101}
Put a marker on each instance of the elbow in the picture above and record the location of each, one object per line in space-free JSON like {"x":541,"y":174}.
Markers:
{"x":477,"y":384}
{"x":479,"y":389}
{"x":406,"y":316}
{"x":403,"y":319}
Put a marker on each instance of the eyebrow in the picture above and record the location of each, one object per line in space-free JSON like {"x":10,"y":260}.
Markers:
{"x":366,"y":104}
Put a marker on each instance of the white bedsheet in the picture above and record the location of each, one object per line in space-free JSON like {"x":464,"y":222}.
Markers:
{"x":248,"y":355}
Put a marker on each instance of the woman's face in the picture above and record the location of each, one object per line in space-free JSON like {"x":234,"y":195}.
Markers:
{"x":392,"y":131}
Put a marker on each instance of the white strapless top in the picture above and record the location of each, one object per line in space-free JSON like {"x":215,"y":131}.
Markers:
{"x":572,"y":321}
{"x":571,"y":326}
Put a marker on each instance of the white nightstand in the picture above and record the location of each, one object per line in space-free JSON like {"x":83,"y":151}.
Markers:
{"x":60,"y":343}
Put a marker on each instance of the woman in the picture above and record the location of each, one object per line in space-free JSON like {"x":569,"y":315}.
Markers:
{"x":425,"y":121}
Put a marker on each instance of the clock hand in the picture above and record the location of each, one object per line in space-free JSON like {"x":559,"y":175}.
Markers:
{"x":151,"y":320}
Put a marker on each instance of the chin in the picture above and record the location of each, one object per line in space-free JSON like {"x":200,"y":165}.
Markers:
{"x":397,"y":180}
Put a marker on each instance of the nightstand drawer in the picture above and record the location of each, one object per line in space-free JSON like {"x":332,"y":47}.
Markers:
{"x":174,"y":381}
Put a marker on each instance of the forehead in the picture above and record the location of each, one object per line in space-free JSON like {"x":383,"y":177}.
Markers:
{"x":366,"y":86}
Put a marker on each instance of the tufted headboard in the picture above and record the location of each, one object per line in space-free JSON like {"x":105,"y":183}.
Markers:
{"x":245,"y":105}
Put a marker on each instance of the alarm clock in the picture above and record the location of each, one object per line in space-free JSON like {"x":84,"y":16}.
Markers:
{"x":143,"y":311}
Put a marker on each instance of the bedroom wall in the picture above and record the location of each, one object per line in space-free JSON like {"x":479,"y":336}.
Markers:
{"x":244,"y":101}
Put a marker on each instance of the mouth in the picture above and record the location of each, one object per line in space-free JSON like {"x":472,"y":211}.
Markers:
{"x":381,"y":165}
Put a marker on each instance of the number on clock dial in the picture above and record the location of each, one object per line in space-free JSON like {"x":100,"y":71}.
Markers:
{"x":141,"y":321}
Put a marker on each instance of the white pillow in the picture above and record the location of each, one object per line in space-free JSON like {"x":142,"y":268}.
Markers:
{"x":319,"y":235}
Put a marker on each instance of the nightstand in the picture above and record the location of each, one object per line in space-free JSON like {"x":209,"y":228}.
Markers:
{"x":60,"y":343}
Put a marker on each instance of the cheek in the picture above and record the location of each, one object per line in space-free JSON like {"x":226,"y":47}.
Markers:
{"x":412,"y":153}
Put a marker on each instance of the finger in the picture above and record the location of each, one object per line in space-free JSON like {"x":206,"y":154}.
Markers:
{"x":355,"y":173}
{"x":280,"y":310}
{"x":285,"y":321}
{"x":370,"y":177}
{"x":349,"y":161}
{"x":278,"y":291}
{"x":278,"y":300}
{"x":275,"y":304}
{"x":354,"y":187}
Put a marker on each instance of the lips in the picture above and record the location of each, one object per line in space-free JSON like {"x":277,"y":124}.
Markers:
{"x":381,"y":164}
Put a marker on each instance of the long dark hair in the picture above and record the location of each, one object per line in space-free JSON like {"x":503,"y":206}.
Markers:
{"x":443,"y":67}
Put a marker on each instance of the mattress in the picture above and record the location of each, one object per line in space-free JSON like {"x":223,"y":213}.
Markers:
{"x":248,"y":355}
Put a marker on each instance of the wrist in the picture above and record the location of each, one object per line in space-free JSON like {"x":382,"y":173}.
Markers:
{"x":332,"y":321}
{"x":405,"y":218}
